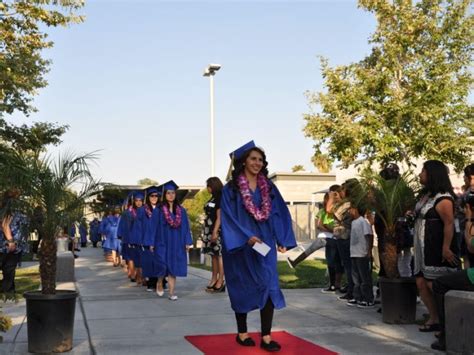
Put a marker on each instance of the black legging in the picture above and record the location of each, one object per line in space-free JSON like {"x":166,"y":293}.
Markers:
{"x":266,"y":318}
{"x":455,"y":281}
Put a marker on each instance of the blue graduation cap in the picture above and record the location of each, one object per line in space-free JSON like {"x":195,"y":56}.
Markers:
{"x":239,"y":152}
{"x":138,"y":195}
{"x":170,"y":185}
{"x":153,"y":190}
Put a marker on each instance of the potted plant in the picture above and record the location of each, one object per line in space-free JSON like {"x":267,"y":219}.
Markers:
{"x":391,"y":199}
{"x":47,"y":188}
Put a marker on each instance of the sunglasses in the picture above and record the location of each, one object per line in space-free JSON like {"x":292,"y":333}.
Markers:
{"x":154,"y":195}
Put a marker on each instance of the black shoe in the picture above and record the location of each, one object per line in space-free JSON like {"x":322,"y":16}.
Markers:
{"x":345,"y":297}
{"x":246,"y":342}
{"x":220,"y":289}
{"x":75,"y":256}
{"x":330,"y":289}
{"x":438,"y":345}
{"x":132,"y":280}
{"x":343,"y":290}
{"x":210,"y":287}
{"x":272,"y":346}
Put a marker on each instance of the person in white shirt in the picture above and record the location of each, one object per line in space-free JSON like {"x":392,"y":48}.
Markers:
{"x":361,"y":255}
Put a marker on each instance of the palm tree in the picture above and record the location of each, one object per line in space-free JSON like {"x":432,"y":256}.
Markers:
{"x":390,"y":200}
{"x":48,"y":186}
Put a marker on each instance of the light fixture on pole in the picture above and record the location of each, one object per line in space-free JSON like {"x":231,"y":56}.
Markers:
{"x":210,"y":71}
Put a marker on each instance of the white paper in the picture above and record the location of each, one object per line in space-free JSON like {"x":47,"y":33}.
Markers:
{"x":261,"y":248}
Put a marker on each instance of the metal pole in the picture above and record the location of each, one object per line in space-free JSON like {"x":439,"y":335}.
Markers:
{"x":212,"y":125}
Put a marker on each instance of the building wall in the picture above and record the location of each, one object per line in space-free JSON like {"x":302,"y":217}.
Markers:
{"x":302,"y":191}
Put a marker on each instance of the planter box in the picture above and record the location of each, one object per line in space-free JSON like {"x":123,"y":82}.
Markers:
{"x":398,"y":298}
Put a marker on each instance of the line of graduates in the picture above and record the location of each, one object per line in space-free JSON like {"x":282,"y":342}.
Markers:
{"x":152,"y":236}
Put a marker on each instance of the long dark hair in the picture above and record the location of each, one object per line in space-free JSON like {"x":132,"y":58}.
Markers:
{"x":437,"y":179}
{"x":164,"y":202}
{"x":239,"y":166}
{"x":148,"y":203}
{"x":216,"y":186}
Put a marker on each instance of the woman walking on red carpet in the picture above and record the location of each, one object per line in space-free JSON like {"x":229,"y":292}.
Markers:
{"x":255,"y":222}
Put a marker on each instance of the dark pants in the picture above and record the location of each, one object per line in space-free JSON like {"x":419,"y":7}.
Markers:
{"x":456,"y":281}
{"x":344,"y":249}
{"x":362,"y":277}
{"x":266,"y":318}
{"x":333,"y":260}
{"x":151,"y":283}
{"x":8,"y":263}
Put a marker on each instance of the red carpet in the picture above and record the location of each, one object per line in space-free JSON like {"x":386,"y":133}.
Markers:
{"x":220,"y":344}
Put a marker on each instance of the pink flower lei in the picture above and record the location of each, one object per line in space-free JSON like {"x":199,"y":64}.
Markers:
{"x":173,"y":223}
{"x":133,"y":211}
{"x":263,"y":213}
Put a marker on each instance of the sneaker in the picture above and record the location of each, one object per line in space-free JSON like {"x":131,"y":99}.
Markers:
{"x":352,"y":303}
{"x":173,"y":298}
{"x":148,"y":289}
{"x":365,"y":304}
{"x":343,"y":290}
{"x":345,"y":297}
{"x":330,"y":289}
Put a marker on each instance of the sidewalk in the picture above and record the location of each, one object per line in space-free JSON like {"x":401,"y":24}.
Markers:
{"x":115,"y":317}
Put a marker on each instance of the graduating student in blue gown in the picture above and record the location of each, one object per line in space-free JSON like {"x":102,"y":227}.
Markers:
{"x":94,"y":232}
{"x":136,"y":215}
{"x":83,"y":233}
{"x":111,"y":241}
{"x":253,"y":211}
{"x":172,"y":239}
{"x":150,"y":265}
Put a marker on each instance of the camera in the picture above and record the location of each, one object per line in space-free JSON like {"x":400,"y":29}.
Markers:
{"x":468,"y":198}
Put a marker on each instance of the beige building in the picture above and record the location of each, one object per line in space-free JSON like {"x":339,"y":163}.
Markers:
{"x":302,"y":191}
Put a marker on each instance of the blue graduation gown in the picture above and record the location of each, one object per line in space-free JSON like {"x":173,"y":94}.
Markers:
{"x":170,"y":245}
{"x":111,"y":241}
{"x":83,"y":233}
{"x":250,"y":277}
{"x":94,"y":231}
{"x":123,"y":233}
{"x":135,"y":238}
{"x":152,"y":263}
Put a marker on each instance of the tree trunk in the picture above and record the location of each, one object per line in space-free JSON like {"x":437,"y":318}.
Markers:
{"x":47,"y":259}
{"x":390,"y":258}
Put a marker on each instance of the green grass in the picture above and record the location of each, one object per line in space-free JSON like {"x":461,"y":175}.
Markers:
{"x":27,"y":279}
{"x":308,"y":274}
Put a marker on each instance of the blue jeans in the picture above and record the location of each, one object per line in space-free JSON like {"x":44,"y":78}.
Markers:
{"x":332,"y":256}
{"x":344,"y":249}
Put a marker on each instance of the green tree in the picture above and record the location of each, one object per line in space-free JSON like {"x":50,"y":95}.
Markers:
{"x":408,"y":98}
{"x":322,"y":163}
{"x":195,"y":209}
{"x":147,"y":182}
{"x":47,"y":186}
{"x":31,"y":139}
{"x":22,"y":40}
{"x":297,"y":168}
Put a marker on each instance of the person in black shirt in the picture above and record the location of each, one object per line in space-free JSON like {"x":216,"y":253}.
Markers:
{"x":212,"y":234}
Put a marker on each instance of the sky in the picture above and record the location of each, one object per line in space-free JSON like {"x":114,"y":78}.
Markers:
{"x":128,"y":81}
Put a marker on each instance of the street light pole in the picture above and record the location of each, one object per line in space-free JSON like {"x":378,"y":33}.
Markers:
{"x":211,"y":80}
{"x":210,"y":71}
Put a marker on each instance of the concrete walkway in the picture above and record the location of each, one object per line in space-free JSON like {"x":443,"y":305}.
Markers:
{"x":115,"y":317}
